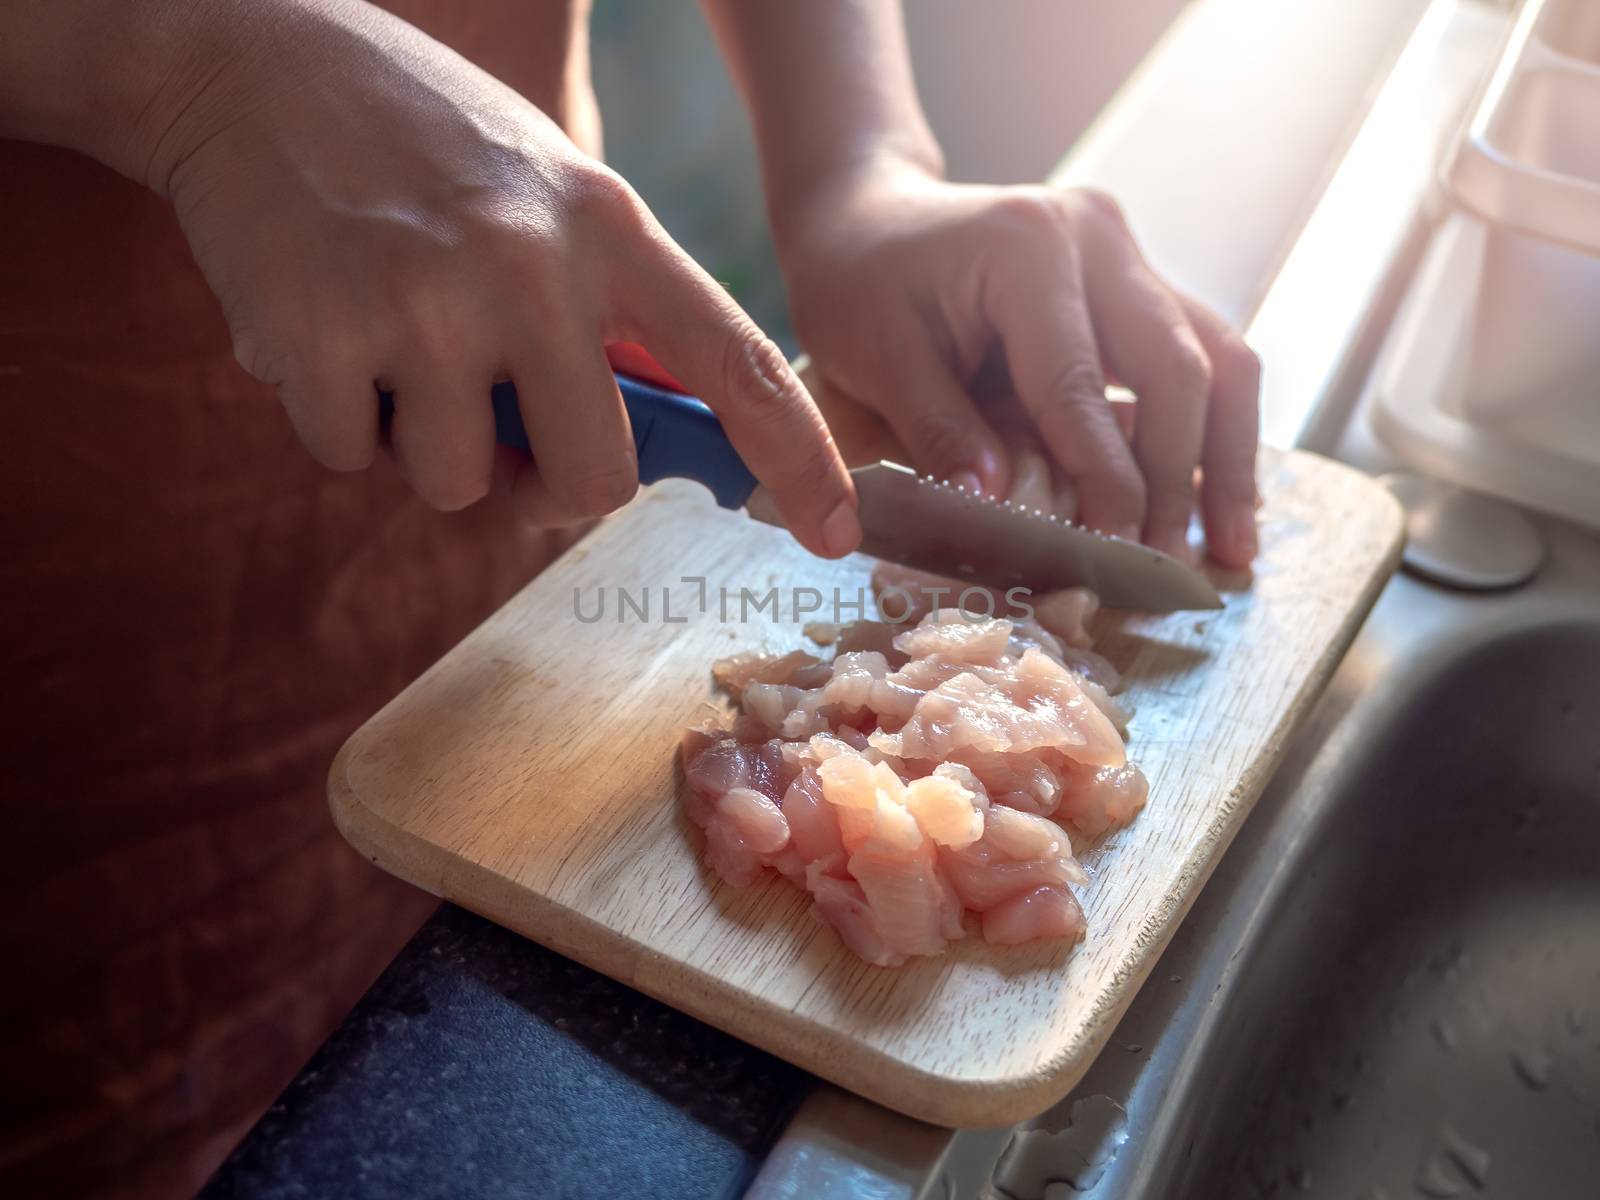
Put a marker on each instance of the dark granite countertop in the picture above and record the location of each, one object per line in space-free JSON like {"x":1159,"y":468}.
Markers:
{"x":481,"y":1064}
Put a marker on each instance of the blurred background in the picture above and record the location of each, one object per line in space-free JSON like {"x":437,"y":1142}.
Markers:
{"x":1007,"y":87}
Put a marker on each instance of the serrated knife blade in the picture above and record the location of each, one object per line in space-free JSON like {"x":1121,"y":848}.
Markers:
{"x":935,"y":526}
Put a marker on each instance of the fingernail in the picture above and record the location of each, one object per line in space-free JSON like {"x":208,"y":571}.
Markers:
{"x":841,"y":532}
{"x":990,"y":471}
{"x":1242,"y":532}
{"x":967,"y":480}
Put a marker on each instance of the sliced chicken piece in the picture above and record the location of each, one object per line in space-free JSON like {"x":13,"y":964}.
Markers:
{"x":945,"y":810}
{"x":841,"y":903}
{"x":1022,"y":835}
{"x":984,"y":877}
{"x":1042,"y":912}
{"x":1036,"y":704}
{"x":813,"y":827}
{"x":1095,"y":801}
{"x":950,"y":635}
{"x":905,"y":893}
{"x":736,"y":672}
{"x":743,"y":834}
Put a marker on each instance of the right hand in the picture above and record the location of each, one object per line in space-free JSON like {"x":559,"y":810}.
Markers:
{"x":905,"y":287}
{"x":375,"y":212}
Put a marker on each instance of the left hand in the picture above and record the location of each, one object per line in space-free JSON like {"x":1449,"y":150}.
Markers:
{"x":903,"y":285}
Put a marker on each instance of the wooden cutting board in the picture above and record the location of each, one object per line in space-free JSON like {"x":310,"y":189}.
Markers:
{"x":531,"y":776}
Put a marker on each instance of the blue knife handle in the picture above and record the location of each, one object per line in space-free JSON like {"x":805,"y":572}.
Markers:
{"x":675,"y":436}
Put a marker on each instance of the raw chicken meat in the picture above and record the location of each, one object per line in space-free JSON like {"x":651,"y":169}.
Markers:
{"x":920,"y":776}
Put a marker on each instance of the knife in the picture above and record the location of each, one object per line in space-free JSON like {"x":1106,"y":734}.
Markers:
{"x":906,"y":518}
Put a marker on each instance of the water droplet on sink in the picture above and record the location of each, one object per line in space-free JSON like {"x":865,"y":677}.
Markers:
{"x":1444,"y":1034}
{"x":1532,"y":1065}
{"x":1134,"y":1047}
{"x":1453,"y":1165}
{"x":1434,"y":1179}
{"x":1577,"y":1021}
{"x":1175,"y":979}
{"x":1077,"y":1154}
{"x":1448,"y":959}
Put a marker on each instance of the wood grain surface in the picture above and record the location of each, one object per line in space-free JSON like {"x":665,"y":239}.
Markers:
{"x":531,"y":776}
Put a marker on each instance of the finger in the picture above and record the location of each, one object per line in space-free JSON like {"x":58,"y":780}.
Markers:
{"x":937,"y":422}
{"x":1055,"y":364}
{"x":443,"y":431}
{"x":517,"y":484}
{"x":703,"y":338}
{"x":333,"y":406}
{"x":1031,"y":485}
{"x":532,"y":503}
{"x":535,"y":503}
{"x":584,"y":461}
{"x":1148,"y":342}
{"x":1228,"y":494}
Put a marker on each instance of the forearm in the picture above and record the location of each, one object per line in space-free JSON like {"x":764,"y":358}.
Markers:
{"x":830,"y":92}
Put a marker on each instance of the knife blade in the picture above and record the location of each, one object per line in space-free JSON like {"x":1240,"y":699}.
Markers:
{"x":935,"y":526}
{"x":906,"y":518}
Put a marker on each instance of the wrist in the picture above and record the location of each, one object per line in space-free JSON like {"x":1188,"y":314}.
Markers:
{"x":797,"y":206}
{"x":114,"y":79}
{"x":798,"y":198}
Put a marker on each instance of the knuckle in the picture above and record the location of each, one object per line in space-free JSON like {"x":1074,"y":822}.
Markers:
{"x":1102,"y":205}
{"x":754,"y":370}
{"x":335,"y":444}
{"x":1170,"y":489}
{"x":598,"y":492}
{"x":262,"y":357}
{"x":1031,"y":212}
{"x":1188,"y":369}
{"x":1240,"y":363}
{"x":452,"y":489}
{"x":1077,"y":384}
{"x":599,"y":192}
{"x":355,"y":455}
{"x":942,"y":440}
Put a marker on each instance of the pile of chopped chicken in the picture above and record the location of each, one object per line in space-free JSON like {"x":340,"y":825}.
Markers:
{"x":921,"y":781}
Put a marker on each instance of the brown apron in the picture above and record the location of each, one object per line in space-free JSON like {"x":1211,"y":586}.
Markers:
{"x":196,"y":615}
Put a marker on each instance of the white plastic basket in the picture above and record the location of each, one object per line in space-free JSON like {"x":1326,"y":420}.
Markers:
{"x":1491,"y":374}
{"x":1529,"y":158}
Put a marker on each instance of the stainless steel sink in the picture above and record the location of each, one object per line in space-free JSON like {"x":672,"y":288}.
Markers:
{"x":1392,"y":985}
{"x":1420,"y":1011}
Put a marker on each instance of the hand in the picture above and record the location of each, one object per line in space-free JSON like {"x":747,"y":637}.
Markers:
{"x":374,"y":212}
{"x":903,"y":286}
